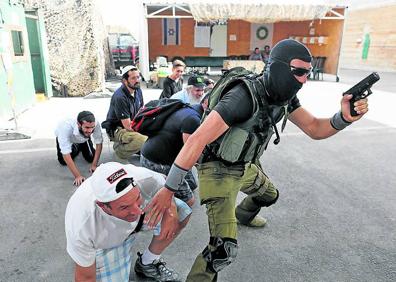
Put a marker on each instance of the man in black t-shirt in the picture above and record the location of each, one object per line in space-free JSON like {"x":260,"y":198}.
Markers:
{"x":174,"y":82}
{"x":159,"y":151}
{"x":230,"y":138}
{"x":125,"y":103}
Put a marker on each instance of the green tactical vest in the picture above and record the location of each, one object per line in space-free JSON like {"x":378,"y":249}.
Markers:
{"x":242,"y":142}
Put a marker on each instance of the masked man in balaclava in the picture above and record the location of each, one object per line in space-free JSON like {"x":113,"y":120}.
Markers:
{"x":124,"y":105}
{"x":232,"y":138}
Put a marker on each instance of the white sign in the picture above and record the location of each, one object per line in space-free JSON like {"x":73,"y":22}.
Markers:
{"x":260,"y":35}
{"x":202,"y":37}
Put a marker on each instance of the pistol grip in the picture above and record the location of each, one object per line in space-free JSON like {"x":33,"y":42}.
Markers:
{"x":352,"y":107}
{"x":353,"y":112}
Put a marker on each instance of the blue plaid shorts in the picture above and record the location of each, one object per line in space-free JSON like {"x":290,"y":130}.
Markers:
{"x":114,"y":264}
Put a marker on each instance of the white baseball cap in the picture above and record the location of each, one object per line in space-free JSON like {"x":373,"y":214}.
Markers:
{"x":127,"y":69}
{"x":105,"y":178}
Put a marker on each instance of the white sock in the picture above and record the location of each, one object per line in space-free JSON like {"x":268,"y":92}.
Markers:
{"x":148,"y":257}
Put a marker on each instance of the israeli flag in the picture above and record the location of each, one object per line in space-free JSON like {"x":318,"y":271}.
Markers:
{"x":171,"y":32}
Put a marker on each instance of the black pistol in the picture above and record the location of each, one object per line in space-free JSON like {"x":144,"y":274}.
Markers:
{"x":361,"y":90}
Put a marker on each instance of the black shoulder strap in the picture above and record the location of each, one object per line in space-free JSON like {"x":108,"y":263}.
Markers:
{"x":260,"y":93}
{"x":139,"y":225}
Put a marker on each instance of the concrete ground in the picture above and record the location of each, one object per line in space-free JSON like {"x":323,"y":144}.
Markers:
{"x":335,"y":219}
{"x":386,"y":83}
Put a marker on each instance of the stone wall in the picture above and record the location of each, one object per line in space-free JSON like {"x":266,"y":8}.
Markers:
{"x":77,"y":43}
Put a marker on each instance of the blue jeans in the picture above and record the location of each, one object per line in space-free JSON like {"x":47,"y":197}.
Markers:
{"x":185,"y":190}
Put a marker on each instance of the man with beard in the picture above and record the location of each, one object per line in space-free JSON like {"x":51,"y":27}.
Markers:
{"x":192,"y":94}
{"x":232,"y":138}
{"x":73,"y":136}
{"x":125,"y":103}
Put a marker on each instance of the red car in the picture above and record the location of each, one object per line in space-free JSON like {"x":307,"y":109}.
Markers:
{"x":124,"y":49}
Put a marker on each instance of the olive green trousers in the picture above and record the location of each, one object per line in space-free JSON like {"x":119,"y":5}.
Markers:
{"x":127,"y":143}
{"x":218,"y":189}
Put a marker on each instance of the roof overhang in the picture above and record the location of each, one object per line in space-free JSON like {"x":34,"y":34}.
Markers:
{"x":257,"y":11}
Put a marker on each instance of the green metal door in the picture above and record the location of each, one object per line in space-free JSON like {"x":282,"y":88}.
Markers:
{"x":35,"y":53}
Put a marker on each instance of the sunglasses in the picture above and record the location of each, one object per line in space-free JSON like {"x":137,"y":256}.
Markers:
{"x":297,"y":71}
{"x":300,"y":71}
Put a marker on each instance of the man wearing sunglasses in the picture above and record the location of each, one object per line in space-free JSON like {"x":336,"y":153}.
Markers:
{"x":232,"y":138}
{"x":103,"y":218}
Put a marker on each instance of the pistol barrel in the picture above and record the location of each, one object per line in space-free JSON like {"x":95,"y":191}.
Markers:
{"x":363,"y":85}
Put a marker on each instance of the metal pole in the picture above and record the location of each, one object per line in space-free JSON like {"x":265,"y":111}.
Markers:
{"x":340,"y":49}
{"x":143,"y":44}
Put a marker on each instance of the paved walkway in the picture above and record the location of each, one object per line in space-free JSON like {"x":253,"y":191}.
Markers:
{"x":319,"y":97}
{"x":334,"y":221}
{"x":386,"y":83}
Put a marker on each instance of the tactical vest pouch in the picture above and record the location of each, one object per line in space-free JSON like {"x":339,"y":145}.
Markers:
{"x":232,"y":144}
{"x":255,"y":146}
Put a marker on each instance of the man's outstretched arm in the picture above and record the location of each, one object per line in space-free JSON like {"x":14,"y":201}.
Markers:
{"x":98,"y":151}
{"x":78,"y":178}
{"x":213,"y":127}
{"x":320,"y":128}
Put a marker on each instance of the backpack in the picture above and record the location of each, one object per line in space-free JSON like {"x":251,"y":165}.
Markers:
{"x":152,"y":116}
{"x":228,"y":80}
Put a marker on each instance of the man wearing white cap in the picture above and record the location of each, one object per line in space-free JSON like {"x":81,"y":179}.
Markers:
{"x":124,"y":104}
{"x":103,"y":217}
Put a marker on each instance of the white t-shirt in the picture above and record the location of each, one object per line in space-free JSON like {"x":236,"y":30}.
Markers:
{"x":89,"y":228}
{"x":67,"y":133}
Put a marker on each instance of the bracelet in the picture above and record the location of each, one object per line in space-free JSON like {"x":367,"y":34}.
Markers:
{"x":338,"y":122}
{"x":175,"y":177}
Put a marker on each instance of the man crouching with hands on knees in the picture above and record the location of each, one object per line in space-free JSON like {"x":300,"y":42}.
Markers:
{"x":245,"y":115}
{"x":103,"y":217}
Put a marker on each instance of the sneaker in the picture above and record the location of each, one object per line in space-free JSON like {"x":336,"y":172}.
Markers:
{"x":257,"y":221}
{"x":156,"y":270}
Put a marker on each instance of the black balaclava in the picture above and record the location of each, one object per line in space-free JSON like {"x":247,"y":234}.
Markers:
{"x":280,"y":83}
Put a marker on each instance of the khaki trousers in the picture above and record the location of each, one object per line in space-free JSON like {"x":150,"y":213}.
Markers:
{"x":218,"y":189}
{"x":127,"y":143}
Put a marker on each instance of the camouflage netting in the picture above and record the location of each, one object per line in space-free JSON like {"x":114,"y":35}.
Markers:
{"x":77,"y":43}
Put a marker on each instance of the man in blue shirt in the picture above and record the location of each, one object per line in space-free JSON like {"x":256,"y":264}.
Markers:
{"x":192,"y":94}
{"x":125,"y":103}
{"x":159,"y":151}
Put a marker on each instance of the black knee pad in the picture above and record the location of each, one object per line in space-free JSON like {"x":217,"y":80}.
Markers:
{"x":224,"y":254}
{"x":262,"y":203}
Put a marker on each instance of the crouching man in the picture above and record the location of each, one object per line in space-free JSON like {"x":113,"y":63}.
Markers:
{"x":104,"y":216}
{"x":74,"y":136}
